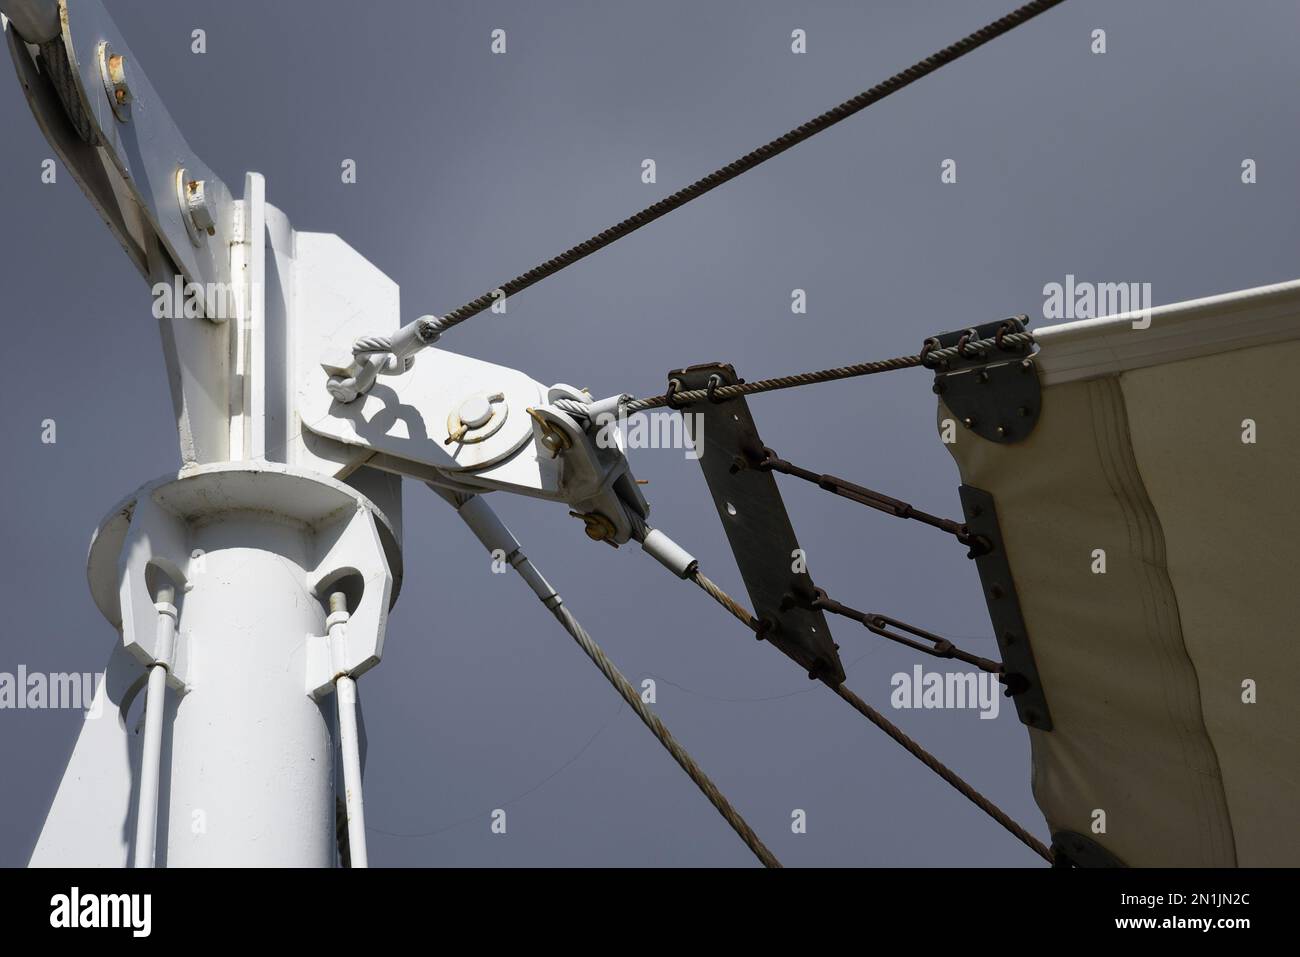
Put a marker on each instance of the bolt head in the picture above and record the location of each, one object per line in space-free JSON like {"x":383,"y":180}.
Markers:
{"x":117,"y":79}
{"x":198,"y":207}
{"x":113,"y":73}
{"x":475,"y":412}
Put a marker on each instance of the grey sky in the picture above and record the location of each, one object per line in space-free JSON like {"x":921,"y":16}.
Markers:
{"x":473,"y":167}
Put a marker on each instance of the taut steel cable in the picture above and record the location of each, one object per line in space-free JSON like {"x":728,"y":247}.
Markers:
{"x":433,"y":326}
{"x":891,"y":729}
{"x":929,"y":358}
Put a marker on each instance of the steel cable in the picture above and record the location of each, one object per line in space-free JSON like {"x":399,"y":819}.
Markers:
{"x":884,"y":724}
{"x":651,"y":720}
{"x":745,"y":616}
{"x":939,"y":768}
{"x":935,"y":357}
{"x":747,"y":162}
{"x":495,"y":536}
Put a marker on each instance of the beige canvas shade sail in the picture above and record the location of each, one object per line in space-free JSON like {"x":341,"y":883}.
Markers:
{"x":1152,"y":524}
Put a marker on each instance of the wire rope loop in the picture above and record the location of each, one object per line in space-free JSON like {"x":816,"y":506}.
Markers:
{"x":674,"y":386}
{"x":926,"y":348}
{"x":970,"y":335}
{"x":1009,"y":327}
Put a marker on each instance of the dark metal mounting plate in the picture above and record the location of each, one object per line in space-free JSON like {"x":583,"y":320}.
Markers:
{"x":757,"y":525}
{"x":1071,"y":849}
{"x":997,"y":396}
{"x":1004,"y":610}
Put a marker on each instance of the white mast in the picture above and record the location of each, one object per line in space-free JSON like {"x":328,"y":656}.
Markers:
{"x":256,"y":580}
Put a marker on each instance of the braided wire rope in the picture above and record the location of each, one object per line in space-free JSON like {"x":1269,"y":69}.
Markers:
{"x":896,"y":733}
{"x":436,"y":325}
{"x":929,"y":359}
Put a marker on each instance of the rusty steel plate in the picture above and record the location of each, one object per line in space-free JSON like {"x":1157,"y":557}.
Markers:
{"x":757,"y":525}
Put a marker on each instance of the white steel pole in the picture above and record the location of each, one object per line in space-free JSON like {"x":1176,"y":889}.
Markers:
{"x":252,"y":780}
{"x":238,"y":764}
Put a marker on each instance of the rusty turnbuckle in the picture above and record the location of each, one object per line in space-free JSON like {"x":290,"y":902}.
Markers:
{"x":770,"y":461}
{"x":893,"y":731}
{"x":900,"y":631}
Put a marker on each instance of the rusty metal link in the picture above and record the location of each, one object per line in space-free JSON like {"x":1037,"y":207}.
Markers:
{"x":1008,"y":327}
{"x":927,"y":347}
{"x":965,"y":342}
{"x":873,"y":499}
{"x":935,"y":358}
{"x":881,"y":625}
{"x":912,"y":747}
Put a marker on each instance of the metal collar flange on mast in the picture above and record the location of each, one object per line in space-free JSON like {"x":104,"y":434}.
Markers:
{"x":159,"y":530}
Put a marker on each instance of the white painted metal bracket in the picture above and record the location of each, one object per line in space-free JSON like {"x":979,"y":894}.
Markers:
{"x":129,"y":166}
{"x":156,"y":541}
{"x":355,"y":554}
{"x":412,"y":423}
{"x":136,"y":169}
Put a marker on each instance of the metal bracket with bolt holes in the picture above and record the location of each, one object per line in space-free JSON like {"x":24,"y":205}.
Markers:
{"x":995,"y":394}
{"x":757,"y":525}
{"x":137,"y":169}
{"x":355,"y":558}
{"x":471,"y":426}
{"x":1020,"y":672}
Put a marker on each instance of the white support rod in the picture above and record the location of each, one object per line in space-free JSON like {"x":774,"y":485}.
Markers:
{"x":345,"y":694}
{"x":345,"y":690}
{"x":146,"y":825}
